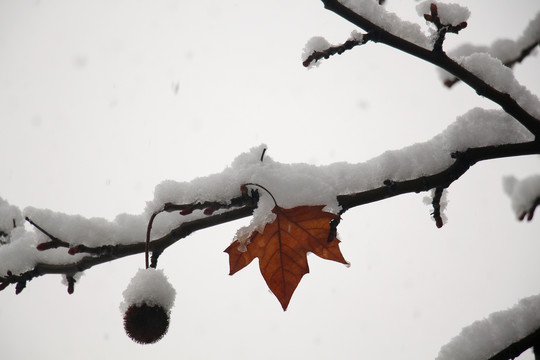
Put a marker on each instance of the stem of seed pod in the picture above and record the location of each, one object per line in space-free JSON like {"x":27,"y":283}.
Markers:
{"x":265,"y":189}
{"x":148,"y":231}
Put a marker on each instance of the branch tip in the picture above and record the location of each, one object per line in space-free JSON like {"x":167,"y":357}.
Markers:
{"x":20,"y":287}
{"x":71,"y":284}
{"x":317,"y":55}
{"x":437,"y":195}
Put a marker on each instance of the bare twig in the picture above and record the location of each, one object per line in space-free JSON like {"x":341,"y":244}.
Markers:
{"x":333,"y":50}
{"x":53,"y":244}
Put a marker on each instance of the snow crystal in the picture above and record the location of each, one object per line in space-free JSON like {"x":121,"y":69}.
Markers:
{"x":485,"y":338}
{"x":449,"y":14}
{"x":378,"y":15}
{"x":151,"y":287}
{"x":523,"y":193}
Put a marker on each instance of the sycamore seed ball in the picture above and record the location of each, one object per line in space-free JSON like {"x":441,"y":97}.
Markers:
{"x":146,"y":324}
{"x":147,"y":304}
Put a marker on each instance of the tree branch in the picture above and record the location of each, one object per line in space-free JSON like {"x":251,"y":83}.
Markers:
{"x":515,"y":349}
{"x":509,"y":63}
{"x":246,"y":204}
{"x":464,"y":160}
{"x":337,"y":49}
{"x":110,"y":253}
{"x":440,"y":59}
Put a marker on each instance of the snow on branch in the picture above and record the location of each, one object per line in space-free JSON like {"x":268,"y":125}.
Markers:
{"x":509,"y":52}
{"x":502,"y":335}
{"x":70,"y":244}
{"x":481,"y":72}
{"x":524,"y":194}
{"x":318,"y":48}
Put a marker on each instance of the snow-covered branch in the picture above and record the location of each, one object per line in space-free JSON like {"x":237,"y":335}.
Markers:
{"x":509,"y":52}
{"x":485,"y":74}
{"x":26,"y":252}
{"x":503,"y":335}
{"x":68,"y":245}
{"x":36,"y":242}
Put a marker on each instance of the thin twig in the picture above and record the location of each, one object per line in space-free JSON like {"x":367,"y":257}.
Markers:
{"x":333,"y":50}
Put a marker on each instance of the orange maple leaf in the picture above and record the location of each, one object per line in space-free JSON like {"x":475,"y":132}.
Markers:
{"x":283,"y":245}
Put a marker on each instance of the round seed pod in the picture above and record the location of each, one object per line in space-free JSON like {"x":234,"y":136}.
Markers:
{"x":147,"y":304}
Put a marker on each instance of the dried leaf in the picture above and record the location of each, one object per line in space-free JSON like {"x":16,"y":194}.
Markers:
{"x":283,"y":245}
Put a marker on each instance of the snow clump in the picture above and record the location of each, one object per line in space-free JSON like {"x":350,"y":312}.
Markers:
{"x":523,"y":193}
{"x":151,"y":287}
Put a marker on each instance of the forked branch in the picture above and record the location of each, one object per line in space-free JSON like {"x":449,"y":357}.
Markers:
{"x":440,"y":59}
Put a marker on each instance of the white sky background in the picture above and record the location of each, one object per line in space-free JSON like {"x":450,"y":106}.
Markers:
{"x":102,"y":100}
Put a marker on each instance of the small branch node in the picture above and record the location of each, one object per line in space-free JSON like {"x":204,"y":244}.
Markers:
{"x":154,"y":258}
{"x":391,"y":185}
{"x":75,"y":249}
{"x":442,"y":29}
{"x":186,"y":211}
{"x":209,"y":210}
{"x":20,"y":287}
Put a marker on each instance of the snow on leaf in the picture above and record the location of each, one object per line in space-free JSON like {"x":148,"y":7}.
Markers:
{"x":283,"y":245}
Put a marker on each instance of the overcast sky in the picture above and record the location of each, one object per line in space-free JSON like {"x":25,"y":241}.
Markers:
{"x":102,"y":100}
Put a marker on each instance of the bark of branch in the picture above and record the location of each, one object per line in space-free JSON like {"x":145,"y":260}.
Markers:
{"x":440,"y":59}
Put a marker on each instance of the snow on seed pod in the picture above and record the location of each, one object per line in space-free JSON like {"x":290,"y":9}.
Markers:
{"x":147,"y":304}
